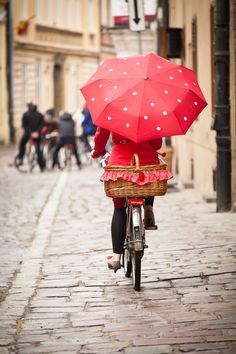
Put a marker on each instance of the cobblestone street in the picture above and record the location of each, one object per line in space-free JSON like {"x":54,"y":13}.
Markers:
{"x":57,"y":295}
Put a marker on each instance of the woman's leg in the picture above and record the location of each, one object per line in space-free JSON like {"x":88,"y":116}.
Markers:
{"x":149,"y":220}
{"x":118,"y":227}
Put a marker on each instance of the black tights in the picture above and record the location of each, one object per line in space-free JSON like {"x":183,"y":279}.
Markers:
{"x":118,"y":226}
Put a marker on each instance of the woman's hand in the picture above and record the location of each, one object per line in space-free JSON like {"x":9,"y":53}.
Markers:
{"x":92,"y":154}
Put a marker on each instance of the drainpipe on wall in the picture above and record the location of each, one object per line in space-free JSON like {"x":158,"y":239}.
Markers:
{"x":163,"y":24}
{"x":10,"y":71}
{"x":222,"y":109}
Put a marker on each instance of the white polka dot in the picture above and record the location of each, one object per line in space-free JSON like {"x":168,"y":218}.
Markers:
{"x":93,"y":99}
{"x":124,"y":73}
{"x":171,"y":77}
{"x":115,"y":87}
{"x":164,"y":113}
{"x":145,"y":117}
{"x":180,"y":70}
{"x":104,"y":65}
{"x":109,"y":118}
{"x":124,"y":58}
{"x":93,"y":78}
{"x":186,"y":84}
{"x":195,"y":103}
{"x":100,"y":85}
{"x":125,"y":109}
{"x":158,"y":128}
{"x":137,"y":63}
{"x":158,"y":66}
{"x":185,"y":118}
{"x":179,"y":100}
{"x":127,"y":125}
{"x":110,"y":70}
{"x":134,"y":93}
{"x":105,"y":99}
{"x":194,"y":83}
{"x":152,"y":104}
{"x":166,"y":92}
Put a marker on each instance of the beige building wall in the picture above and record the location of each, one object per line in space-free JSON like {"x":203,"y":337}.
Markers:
{"x":4,"y":130}
{"x":59,"y":52}
{"x":195,"y":157}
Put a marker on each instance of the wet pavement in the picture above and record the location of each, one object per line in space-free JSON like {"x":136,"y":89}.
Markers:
{"x":57,"y":295}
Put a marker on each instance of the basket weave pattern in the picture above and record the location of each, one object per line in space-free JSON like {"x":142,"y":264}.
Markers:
{"x":122,"y":189}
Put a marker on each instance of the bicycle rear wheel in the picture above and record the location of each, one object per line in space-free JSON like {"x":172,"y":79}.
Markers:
{"x":136,"y":258}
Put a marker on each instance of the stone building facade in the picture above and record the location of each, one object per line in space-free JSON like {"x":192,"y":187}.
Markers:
{"x":59,"y":50}
{"x":195,"y":158}
{"x":4,"y":127}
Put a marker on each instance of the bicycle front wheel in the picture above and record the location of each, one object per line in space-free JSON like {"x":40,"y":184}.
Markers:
{"x":136,"y":258}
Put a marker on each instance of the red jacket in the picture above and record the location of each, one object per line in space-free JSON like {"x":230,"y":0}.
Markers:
{"x":123,"y":149}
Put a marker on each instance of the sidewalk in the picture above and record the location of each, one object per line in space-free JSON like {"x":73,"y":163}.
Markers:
{"x":7,"y":153}
{"x":63,"y":299}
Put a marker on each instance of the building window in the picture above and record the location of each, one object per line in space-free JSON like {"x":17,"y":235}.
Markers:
{"x":194,"y":45}
{"x":77,"y":89}
{"x":58,"y":13}
{"x":68,"y":14}
{"x":91,"y":27}
{"x":24,"y":13}
{"x":77,"y":15}
{"x":49,"y":12}
{"x":38,"y":13}
{"x":38,"y":83}
{"x":24,"y":85}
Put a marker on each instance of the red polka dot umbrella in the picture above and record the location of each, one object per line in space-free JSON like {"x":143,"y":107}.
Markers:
{"x":143,"y":97}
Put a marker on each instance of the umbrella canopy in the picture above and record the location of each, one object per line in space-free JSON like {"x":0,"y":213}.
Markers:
{"x":143,"y":97}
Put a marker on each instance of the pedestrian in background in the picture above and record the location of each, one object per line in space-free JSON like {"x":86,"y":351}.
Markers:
{"x":32,"y":123}
{"x":66,"y":131}
{"x":89,"y":129}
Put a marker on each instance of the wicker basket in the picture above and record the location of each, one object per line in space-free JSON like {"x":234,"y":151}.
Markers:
{"x":122,"y":189}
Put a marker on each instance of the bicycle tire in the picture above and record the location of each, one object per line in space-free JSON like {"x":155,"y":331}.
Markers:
{"x":32,"y":160}
{"x":136,"y":258}
{"x":19,"y":166}
{"x":127,"y":263}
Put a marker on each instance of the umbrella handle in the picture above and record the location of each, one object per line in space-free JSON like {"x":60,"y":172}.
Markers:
{"x":135,"y":161}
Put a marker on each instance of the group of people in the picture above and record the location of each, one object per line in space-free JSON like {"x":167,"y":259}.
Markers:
{"x":37,"y":127}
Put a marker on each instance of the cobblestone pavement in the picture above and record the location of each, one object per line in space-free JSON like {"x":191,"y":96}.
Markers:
{"x":59,"y":296}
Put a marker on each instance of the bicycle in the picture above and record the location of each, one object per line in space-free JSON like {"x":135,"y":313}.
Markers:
{"x":31,"y":158}
{"x":48,"y":143}
{"x":135,"y":242}
{"x":65,"y":156}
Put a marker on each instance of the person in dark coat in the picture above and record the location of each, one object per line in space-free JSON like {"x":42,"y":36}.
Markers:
{"x":32,"y":123}
{"x":66,"y":130}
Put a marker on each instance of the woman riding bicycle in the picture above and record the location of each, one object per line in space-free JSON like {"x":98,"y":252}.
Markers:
{"x":122,"y":151}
